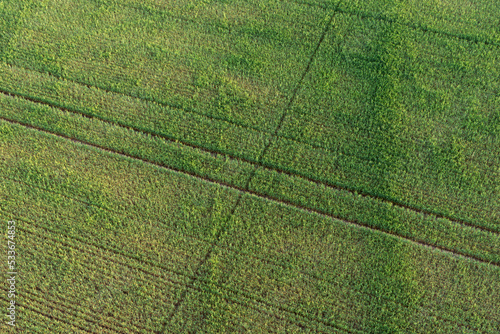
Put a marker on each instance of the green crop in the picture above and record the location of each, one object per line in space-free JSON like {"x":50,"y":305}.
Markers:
{"x":307,"y":166}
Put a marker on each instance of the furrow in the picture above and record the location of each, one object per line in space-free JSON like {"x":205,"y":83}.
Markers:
{"x":191,"y":144}
{"x":277,"y":168}
{"x":256,"y":163}
{"x":71,"y":311}
{"x":253,"y":299}
{"x":267,"y":197}
{"x":311,"y":275}
{"x":49,"y":316}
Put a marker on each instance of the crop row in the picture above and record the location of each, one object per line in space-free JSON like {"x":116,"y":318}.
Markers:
{"x":234,"y":234}
{"x":107,"y":69}
{"x":462,"y":183}
{"x":437,"y":80}
{"x":150,"y":79}
{"x":76,"y":269}
{"x":465,"y":185}
{"x":37,"y":321}
{"x":101,"y":290}
{"x":459,"y":19}
{"x":476,"y":143}
{"x":232,"y":75}
{"x":190,"y":133}
{"x":281,"y":186}
{"x":377,"y":262}
{"x":40,"y":212}
{"x":244,"y":263}
{"x":213,"y":135}
{"x":75,"y":265}
{"x":147,"y":241}
{"x":472,"y":22}
{"x":394,"y":95}
{"x":99,"y":234}
{"x":54,"y":318}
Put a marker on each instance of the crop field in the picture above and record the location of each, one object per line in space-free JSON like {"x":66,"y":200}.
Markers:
{"x":260,"y":166}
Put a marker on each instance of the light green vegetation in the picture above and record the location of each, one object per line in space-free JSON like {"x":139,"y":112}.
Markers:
{"x":325,"y":274}
{"x":280,"y":186}
{"x":171,"y":123}
{"x":89,"y":229}
{"x":471,"y":20}
{"x":400,"y":114}
{"x":414,"y":136}
{"x":132,"y":141}
{"x":127,"y":141}
{"x":273,"y":263}
{"x":229,"y":73}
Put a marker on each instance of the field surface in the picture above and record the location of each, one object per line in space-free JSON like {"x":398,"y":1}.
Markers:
{"x":258,"y":166}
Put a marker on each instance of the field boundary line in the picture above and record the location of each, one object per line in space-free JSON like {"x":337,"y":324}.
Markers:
{"x":256,"y":194}
{"x":329,"y":184}
{"x":184,"y":109}
{"x":193,"y":111}
{"x":167,"y":228}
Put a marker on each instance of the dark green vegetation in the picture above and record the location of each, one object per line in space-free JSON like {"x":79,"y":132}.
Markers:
{"x":263,"y":166}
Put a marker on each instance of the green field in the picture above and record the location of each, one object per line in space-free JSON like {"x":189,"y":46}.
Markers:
{"x":251,"y":166}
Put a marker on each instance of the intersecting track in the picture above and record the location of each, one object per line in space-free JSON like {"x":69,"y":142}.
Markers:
{"x":266,"y":197}
{"x":266,"y":147}
{"x":259,"y":164}
{"x":171,"y":282}
{"x":194,"y":111}
{"x":411,"y":25}
{"x":332,"y":185}
{"x":256,"y":162}
{"x":245,"y":190}
{"x":87,"y":247}
{"x":213,"y":244}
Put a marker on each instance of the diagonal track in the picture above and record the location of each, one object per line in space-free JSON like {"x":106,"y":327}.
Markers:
{"x":411,"y":25}
{"x":241,"y":189}
{"x":194,"y":111}
{"x":85,"y":249}
{"x":306,"y":273}
{"x":258,"y":162}
{"x":246,"y":188}
{"x":313,"y":276}
{"x":256,"y":300}
{"x":491,"y":248}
